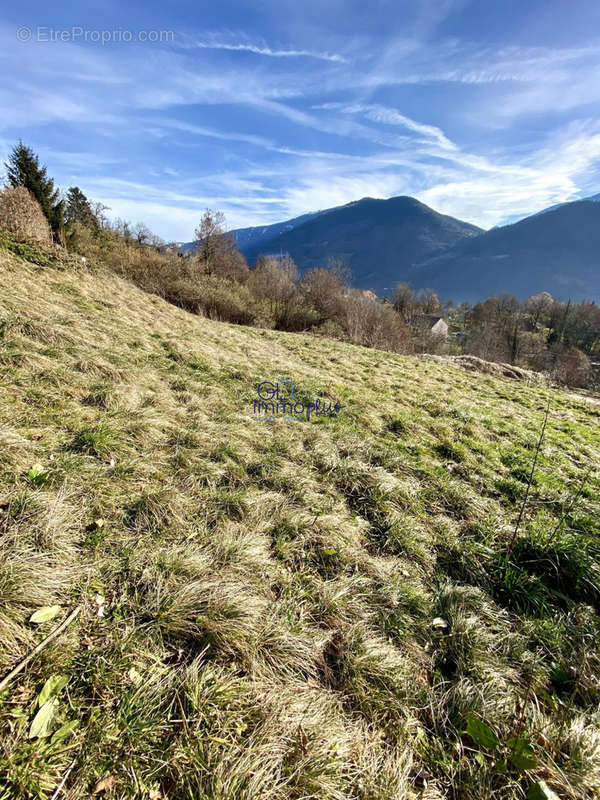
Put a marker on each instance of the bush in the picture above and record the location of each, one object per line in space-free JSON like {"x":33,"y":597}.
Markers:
{"x":274,"y":282}
{"x":323,"y":290}
{"x":22,"y":217}
{"x":219,"y":299}
{"x":375,"y":324}
{"x":572,"y":367}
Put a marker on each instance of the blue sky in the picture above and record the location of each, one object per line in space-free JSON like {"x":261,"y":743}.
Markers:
{"x":487,"y":110}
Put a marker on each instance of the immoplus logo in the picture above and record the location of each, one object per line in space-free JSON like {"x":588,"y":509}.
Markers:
{"x":276,"y":400}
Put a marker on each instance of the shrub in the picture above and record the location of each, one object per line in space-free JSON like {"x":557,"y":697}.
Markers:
{"x":216,"y":298}
{"x":323,"y":290}
{"x":21,"y":215}
{"x":572,"y":367}
{"x":374,"y":324}
{"x":275,"y":282}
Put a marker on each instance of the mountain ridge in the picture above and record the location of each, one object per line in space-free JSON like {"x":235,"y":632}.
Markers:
{"x":389,"y":241}
{"x":554,"y":251}
{"x":377,"y":239}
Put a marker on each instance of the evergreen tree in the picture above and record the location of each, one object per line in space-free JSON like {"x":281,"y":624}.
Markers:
{"x":23,"y":169}
{"x":79,"y":209}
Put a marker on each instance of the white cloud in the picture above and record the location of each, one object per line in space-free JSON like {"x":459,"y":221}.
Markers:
{"x":308,"y":135}
{"x":264,"y":50}
{"x":389,"y":116}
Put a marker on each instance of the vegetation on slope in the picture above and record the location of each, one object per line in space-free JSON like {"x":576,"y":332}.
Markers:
{"x":213,"y":279}
{"x":285,"y":610}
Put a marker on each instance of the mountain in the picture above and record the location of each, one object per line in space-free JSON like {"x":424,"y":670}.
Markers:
{"x":592,"y":199}
{"x":254,"y":237}
{"x":557,"y":251}
{"x":249,"y":238}
{"x":381,"y":241}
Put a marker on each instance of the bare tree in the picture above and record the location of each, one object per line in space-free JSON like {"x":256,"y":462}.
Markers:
{"x":274,"y":280}
{"x":374,"y":324}
{"x":216,"y":252}
{"x":405,"y":302}
{"x":323,"y":290}
{"x":429,"y":302}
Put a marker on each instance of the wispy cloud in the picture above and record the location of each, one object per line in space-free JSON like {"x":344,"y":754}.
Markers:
{"x":389,"y":116}
{"x":321,"y":121}
{"x":217,"y":42}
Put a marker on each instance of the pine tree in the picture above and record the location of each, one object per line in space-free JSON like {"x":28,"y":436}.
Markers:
{"x":79,"y":209}
{"x":23,"y":169}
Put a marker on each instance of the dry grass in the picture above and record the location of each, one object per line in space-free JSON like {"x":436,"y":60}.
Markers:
{"x":284,"y":610}
{"x":22,"y":217}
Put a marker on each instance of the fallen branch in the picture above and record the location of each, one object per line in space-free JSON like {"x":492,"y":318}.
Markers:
{"x":56,"y":632}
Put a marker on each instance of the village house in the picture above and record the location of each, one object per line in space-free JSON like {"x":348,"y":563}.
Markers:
{"x":433,"y":324}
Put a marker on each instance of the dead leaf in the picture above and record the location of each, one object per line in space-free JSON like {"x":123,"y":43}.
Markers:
{"x":100,"y":602}
{"x":44,"y":614}
{"x":105,"y":784}
{"x":134,"y":676}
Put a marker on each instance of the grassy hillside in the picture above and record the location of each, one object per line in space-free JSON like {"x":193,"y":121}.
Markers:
{"x":284,"y":610}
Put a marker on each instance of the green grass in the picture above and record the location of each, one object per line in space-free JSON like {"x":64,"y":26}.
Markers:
{"x":285,"y":611}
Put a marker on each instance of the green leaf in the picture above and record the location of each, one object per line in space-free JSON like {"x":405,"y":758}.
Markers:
{"x":53,"y":686}
{"x":43,"y":720}
{"x":44,"y":614}
{"x":541,"y":791}
{"x":65,"y":731}
{"x":519,"y":744}
{"x":37,"y":474}
{"x":523,"y":761}
{"x":481,"y":734}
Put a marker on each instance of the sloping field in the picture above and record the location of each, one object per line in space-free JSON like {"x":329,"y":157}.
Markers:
{"x":288,"y":609}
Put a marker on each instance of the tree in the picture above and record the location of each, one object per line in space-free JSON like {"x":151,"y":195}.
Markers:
{"x":374,"y":324}
{"x":142,"y":233}
{"x":99,"y":211}
{"x":274,"y":280}
{"x":429,"y":301}
{"x":24,"y":169}
{"x":323,"y":290}
{"x":79,"y":209}
{"x":539,"y":306}
{"x":405,"y":302}
{"x":216,"y":250}
{"x":123,"y":228}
